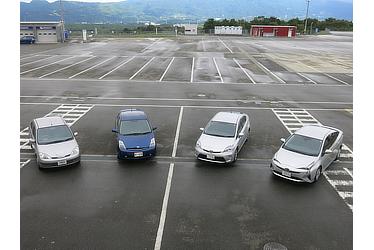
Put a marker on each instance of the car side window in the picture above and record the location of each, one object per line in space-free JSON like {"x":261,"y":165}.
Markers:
{"x":244,"y":120}
{"x":117,"y":122}
{"x":334,"y":136}
{"x":240,"y":126}
{"x":326,"y":144}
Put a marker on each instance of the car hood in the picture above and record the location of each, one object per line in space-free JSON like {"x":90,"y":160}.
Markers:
{"x":215,"y":143}
{"x":136,"y":141}
{"x":293,"y":160}
{"x":60,"y":149}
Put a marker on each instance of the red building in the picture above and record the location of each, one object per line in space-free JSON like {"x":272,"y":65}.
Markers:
{"x":273,"y":30}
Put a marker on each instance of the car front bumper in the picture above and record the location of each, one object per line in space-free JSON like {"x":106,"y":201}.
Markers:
{"x":61,"y":162}
{"x":134,"y":154}
{"x":292,"y":175}
{"x":222,"y":157}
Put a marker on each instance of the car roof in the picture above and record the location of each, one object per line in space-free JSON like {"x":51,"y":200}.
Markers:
{"x":132,"y":114}
{"x":315,"y":131}
{"x":230,"y":117}
{"x":49,"y":121}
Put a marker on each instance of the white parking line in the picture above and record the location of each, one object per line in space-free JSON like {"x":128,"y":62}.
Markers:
{"x":192,"y":68}
{"x":166,"y":70}
{"x":318,"y":71}
{"x":225,"y":45}
{"x":336,"y":79}
{"x":245,"y":72}
{"x":66,"y":67}
{"x":219,"y":73}
{"x":267,"y":70}
{"x":43,"y":66}
{"x":349,"y":172}
{"x":83,"y":71}
{"x":145,"y":65}
{"x":177,"y":133}
{"x":342,"y":194}
{"x":161,"y":225}
{"x":310,"y":80}
{"x":37,"y":60}
{"x":23,"y":58}
{"x":119,"y":66}
{"x":150,"y":45}
{"x":24,"y":163}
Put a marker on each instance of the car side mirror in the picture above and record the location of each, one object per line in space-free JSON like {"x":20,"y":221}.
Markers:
{"x":201,"y":129}
{"x":154,"y":128}
{"x":283,"y":140}
{"x":75,"y":133}
{"x":114,"y":130}
{"x":241,"y":135}
{"x":328,"y":151}
{"x":32,"y":140}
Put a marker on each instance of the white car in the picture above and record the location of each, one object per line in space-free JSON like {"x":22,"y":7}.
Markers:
{"x":53,"y":142}
{"x":223,"y":137}
{"x":307,"y":153}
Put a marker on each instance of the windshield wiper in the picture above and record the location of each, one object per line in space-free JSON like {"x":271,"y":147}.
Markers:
{"x":58,"y":141}
{"x":138,"y":133}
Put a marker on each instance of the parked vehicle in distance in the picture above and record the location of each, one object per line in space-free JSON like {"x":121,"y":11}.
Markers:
{"x":307,"y":153}
{"x":223,"y":137}
{"x":53,"y":142}
{"x":27,"y":40}
{"x":134,"y":135}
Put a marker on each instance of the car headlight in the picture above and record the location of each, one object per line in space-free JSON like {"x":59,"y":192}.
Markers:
{"x":75,"y":151}
{"x":44,"y":156}
{"x":121,"y":145}
{"x":276,"y":161}
{"x":198,"y":144}
{"x":152,"y":144}
{"x":229,"y":148}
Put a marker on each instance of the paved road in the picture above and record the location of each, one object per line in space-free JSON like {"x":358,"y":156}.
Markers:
{"x":106,"y":204}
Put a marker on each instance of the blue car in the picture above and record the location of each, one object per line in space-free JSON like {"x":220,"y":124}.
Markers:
{"x":134,"y":134}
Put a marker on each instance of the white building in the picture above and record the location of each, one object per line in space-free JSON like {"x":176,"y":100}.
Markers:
{"x":228,"y":30}
{"x":44,"y":32}
{"x":190,"y":29}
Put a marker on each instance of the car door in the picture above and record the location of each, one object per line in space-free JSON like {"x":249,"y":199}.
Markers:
{"x":326,"y":159}
{"x":117,"y":125}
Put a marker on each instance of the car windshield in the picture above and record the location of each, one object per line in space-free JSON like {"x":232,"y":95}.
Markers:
{"x":54,"y":134}
{"x":222,"y":129}
{"x":134,"y":127}
{"x":303,"y":145}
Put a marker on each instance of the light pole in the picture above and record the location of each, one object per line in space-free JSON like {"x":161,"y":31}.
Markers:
{"x":62,"y":22}
{"x":306,"y":16}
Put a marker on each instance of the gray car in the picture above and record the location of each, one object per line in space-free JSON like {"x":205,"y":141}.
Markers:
{"x":53,"y":142}
{"x":307,"y":153}
{"x":223,"y":137}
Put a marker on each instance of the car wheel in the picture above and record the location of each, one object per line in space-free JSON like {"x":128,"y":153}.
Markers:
{"x":318,"y":174}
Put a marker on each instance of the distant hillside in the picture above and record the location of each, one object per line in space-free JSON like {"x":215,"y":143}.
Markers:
{"x":132,"y":11}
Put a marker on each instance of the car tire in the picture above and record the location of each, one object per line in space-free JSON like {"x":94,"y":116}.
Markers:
{"x":318,"y":174}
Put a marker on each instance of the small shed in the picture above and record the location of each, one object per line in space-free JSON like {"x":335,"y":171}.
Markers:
{"x":272,"y":31}
{"x":190,"y":29}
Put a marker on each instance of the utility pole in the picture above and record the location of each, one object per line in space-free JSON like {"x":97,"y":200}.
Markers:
{"x":62,"y":22}
{"x":306,"y":16}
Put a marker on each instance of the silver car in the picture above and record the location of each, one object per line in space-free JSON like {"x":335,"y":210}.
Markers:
{"x":223,"y":137}
{"x":307,"y":153}
{"x":53,"y":142}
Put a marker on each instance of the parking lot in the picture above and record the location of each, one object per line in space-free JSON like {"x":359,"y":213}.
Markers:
{"x":173,"y":201}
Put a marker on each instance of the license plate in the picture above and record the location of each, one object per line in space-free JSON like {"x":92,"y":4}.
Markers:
{"x":61,"y":163}
{"x":138,"y":154}
{"x":211,"y":157}
{"x":287,"y":174}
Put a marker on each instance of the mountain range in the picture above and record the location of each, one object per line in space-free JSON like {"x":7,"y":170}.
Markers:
{"x":172,"y":11}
